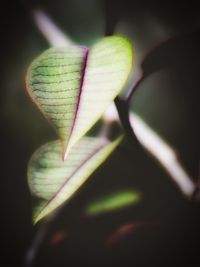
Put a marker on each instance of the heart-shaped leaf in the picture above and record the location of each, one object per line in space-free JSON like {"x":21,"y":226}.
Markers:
{"x":73,"y":86}
{"x":54,"y":180}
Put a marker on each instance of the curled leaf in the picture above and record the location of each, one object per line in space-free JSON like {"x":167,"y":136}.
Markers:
{"x":73,"y":86}
{"x":54,"y":181}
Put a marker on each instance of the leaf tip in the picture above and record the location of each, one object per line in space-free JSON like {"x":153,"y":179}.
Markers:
{"x":65,"y":152}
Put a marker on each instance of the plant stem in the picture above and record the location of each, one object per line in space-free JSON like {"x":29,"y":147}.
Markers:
{"x":133,"y":88}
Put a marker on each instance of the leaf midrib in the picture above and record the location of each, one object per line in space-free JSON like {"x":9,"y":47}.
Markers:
{"x":84,"y":66}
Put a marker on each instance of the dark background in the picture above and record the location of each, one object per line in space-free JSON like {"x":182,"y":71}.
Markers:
{"x":168,"y":100}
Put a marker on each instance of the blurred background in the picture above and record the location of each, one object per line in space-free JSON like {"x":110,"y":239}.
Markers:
{"x":162,"y":226}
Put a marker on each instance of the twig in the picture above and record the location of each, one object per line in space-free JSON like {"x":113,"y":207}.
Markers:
{"x":158,"y":148}
{"x":163,"y":153}
{"x":134,"y":87}
{"x":33,"y":250}
{"x":49,"y":30}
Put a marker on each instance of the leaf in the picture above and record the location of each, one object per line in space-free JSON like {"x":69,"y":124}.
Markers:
{"x":113,"y":202}
{"x":54,"y":181}
{"x":73,"y":86}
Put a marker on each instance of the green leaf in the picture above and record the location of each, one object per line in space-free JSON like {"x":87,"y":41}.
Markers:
{"x":54,"y":180}
{"x":115,"y":201}
{"x":73,"y":86}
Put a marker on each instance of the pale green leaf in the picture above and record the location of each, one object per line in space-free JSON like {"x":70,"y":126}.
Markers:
{"x":73,"y":86}
{"x":54,"y":180}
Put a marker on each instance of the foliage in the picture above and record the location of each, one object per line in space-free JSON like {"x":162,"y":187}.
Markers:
{"x":72,"y":87}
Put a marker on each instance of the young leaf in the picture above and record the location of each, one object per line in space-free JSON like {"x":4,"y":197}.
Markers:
{"x":73,"y":86}
{"x":54,"y":181}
